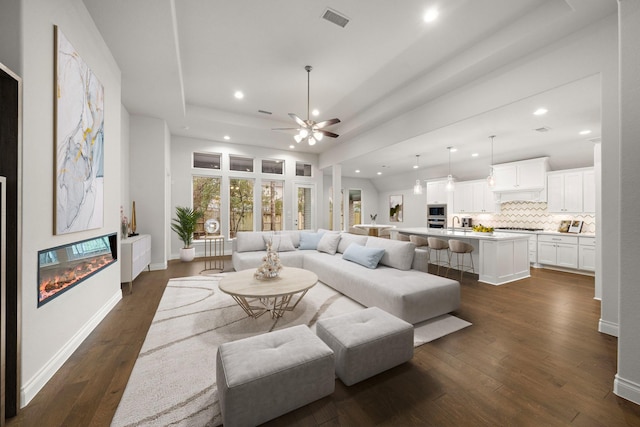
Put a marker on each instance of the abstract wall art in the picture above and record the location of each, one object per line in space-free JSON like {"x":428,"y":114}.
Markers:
{"x":395,"y":208}
{"x":79,"y":142}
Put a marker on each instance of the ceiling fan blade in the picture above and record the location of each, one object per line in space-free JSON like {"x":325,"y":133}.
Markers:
{"x":298,"y":120}
{"x":325,"y":123}
{"x":327,"y":133}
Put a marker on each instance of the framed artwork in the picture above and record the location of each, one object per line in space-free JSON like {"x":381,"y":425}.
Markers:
{"x":564,"y":226}
{"x":576,"y":227}
{"x":79,"y":142}
{"x":395,"y":208}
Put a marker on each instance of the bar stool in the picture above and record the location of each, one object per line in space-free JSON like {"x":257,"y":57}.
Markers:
{"x":401,"y":237}
{"x":460,"y":248}
{"x":421,"y":258}
{"x":439,"y":245}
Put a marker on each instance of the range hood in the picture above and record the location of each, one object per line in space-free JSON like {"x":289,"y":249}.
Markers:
{"x":523,"y":181}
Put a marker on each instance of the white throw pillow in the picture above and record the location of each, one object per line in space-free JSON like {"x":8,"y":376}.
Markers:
{"x":249,"y":241}
{"x":280,"y":242}
{"x":329,"y":243}
{"x":397,"y":254}
{"x":347,"y":238}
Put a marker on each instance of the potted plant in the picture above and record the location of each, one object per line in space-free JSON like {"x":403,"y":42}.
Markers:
{"x":184,"y":226}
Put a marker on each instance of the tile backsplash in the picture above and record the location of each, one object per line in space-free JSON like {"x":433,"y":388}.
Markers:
{"x":530,"y":215}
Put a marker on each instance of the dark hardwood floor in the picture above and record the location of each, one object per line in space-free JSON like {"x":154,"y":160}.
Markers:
{"x":533,"y":357}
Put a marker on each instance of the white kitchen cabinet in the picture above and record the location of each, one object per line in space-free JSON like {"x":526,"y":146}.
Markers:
{"x":525,"y":175}
{"x":437,"y":192}
{"x":473,"y":196}
{"x":135,"y":255}
{"x":565,"y":191}
{"x":588,"y":191}
{"x":463,"y":198}
{"x":483,"y":197}
{"x":587,"y":253}
{"x":561,"y":251}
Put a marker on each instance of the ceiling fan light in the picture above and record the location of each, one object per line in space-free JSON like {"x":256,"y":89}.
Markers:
{"x":318,"y":136}
{"x":417,"y":189}
{"x":298,"y":138}
{"x":303,"y":133}
{"x":312,"y":141}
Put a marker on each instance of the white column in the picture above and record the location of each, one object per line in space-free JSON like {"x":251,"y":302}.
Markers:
{"x":336,"y":196}
{"x":627,"y":381}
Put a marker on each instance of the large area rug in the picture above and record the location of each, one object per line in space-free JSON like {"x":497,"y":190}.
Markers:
{"x":173,"y":381}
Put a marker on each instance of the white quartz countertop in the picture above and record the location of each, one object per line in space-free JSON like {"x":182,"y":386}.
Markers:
{"x":554,"y":233}
{"x":460,"y":233}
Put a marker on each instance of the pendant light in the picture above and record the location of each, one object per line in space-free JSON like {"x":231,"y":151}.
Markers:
{"x":491,"y":180}
{"x":417,"y":189}
{"x":451,"y":184}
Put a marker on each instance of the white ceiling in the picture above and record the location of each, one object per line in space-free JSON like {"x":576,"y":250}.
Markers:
{"x":183,"y":60}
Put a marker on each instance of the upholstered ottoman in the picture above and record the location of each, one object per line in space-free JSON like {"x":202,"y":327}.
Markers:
{"x":262,"y":377}
{"x":366,"y":342}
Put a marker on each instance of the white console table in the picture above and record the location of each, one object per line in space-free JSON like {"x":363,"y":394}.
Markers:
{"x":135,"y":256}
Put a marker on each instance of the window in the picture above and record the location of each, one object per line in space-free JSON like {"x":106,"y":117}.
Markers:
{"x":206,"y":198}
{"x":240,"y":164}
{"x":273,"y":166}
{"x":240,"y":206}
{"x":272,"y":192}
{"x":206,"y":160}
{"x":303,"y":169}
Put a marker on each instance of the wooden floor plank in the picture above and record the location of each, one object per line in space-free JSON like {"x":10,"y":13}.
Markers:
{"x":532,"y":357}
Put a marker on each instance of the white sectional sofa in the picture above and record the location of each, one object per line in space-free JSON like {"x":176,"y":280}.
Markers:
{"x":393,"y":285}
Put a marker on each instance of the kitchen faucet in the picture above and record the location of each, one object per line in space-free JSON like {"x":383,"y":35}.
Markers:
{"x":453,"y":222}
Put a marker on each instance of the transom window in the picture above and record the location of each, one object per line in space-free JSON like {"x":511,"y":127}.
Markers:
{"x":240,"y":164}
{"x":273,"y":166}
{"x":303,"y":169}
{"x":206,"y":160}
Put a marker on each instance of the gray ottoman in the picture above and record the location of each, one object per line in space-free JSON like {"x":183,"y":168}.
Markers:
{"x":366,"y":342}
{"x":262,"y":377}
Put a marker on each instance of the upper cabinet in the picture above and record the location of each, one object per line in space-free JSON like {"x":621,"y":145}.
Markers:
{"x":525,"y":175}
{"x":473,"y":196}
{"x":567,"y":191}
{"x":437,"y":192}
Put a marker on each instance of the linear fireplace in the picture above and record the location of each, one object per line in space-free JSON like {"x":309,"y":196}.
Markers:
{"x":63,"y":267}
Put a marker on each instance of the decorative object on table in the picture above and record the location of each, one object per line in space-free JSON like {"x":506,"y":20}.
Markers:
{"x":271,"y":266}
{"x":482,"y":230}
{"x":124,"y":224}
{"x":373,"y":218}
{"x":576,"y":226}
{"x":184,"y":226}
{"x":132,"y":225}
{"x":395,"y":208}
{"x":79,"y":142}
{"x":564,"y":226}
{"x":211,"y":226}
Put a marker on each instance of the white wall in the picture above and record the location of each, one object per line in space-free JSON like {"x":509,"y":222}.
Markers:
{"x":125,"y":156}
{"x":182,"y":149}
{"x":10,"y":34}
{"x":627,"y":383}
{"x":414,"y":207}
{"x":52,"y":332}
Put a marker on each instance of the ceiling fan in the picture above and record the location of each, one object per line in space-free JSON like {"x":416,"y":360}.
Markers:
{"x":310,"y":130}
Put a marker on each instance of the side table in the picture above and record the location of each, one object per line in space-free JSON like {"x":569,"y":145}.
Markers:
{"x":213,"y":252}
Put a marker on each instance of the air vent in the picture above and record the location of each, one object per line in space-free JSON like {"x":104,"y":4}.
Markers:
{"x":543,"y":129}
{"x":264,"y":112}
{"x":335,"y":17}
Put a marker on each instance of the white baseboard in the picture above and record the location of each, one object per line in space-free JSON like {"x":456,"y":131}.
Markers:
{"x":29,"y":390}
{"x":608,"y":328}
{"x":627,"y":389}
{"x":158,"y":266}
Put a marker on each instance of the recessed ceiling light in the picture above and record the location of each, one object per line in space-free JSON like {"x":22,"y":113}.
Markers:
{"x":415,"y":166}
{"x":185,"y":127}
{"x":227,"y":137}
{"x":475,"y":155}
{"x":238,"y":94}
{"x":357,"y":170}
{"x":379,"y":173}
{"x":540,"y":112}
{"x":431,"y":15}
{"x":292,"y":146}
{"x":585,"y":132}
{"x":453,"y":149}
{"x":315,"y":112}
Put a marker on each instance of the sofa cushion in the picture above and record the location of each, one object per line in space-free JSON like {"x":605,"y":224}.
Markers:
{"x":367,"y":257}
{"x":247,"y":241}
{"x":309,"y":240}
{"x":329,"y":243}
{"x":347,"y":238}
{"x":280,"y":242}
{"x":397,"y":254}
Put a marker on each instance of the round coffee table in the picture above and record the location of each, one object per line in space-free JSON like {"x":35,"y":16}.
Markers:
{"x":256,"y":297}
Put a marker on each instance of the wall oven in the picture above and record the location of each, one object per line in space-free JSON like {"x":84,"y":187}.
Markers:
{"x":436,"y":216}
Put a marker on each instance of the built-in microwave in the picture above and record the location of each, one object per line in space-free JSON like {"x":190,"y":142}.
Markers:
{"x":436,"y":211}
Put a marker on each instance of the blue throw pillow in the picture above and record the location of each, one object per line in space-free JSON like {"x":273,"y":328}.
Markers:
{"x":368,"y":257}
{"x":309,"y":240}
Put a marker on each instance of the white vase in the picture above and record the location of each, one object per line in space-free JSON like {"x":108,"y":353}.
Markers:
{"x":187,"y":254}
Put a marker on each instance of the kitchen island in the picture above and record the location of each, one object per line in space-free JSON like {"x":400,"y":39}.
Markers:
{"x":498,"y":258}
